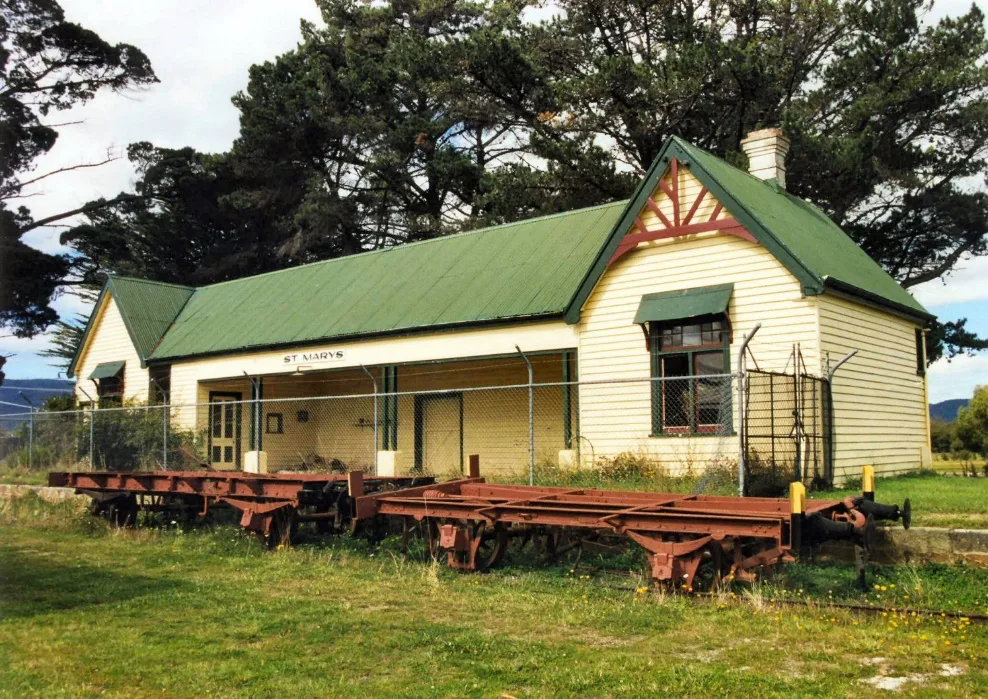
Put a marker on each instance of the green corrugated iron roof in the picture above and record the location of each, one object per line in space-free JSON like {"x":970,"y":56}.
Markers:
{"x":106,"y":370}
{"x":148,"y":308}
{"x":684,"y":304}
{"x":543,"y":267}
{"x":818,"y":243}
{"x":527,"y":269}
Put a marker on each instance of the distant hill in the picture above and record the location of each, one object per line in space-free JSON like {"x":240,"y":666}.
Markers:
{"x":946,"y":410}
{"x":37,"y":390}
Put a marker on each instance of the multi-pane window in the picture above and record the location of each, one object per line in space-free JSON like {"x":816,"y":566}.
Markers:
{"x":690,"y":393}
{"x":110,"y":390}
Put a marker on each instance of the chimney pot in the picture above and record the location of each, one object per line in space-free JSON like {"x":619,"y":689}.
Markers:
{"x":766,"y":150}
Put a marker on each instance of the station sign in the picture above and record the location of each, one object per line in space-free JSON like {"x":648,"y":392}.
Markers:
{"x":322,"y":356}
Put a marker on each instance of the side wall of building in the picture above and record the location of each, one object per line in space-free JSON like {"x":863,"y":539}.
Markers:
{"x":617,"y":418}
{"x":880,"y":400}
{"x":109,"y":341}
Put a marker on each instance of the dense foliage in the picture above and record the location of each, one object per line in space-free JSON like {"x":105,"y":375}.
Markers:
{"x":410,"y":119}
{"x":969,"y":432}
{"x":46,"y":65}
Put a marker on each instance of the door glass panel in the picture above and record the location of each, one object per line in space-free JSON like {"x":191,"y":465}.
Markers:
{"x":224,"y":428}
{"x":441,"y":434}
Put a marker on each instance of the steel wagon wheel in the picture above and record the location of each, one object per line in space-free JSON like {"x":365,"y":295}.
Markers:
{"x":492,"y":547}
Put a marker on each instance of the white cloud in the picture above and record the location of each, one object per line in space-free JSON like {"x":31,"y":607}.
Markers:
{"x":201,"y":52}
{"x":958,"y":377}
{"x":966,"y":283}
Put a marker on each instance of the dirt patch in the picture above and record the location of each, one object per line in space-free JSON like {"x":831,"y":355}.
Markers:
{"x":894,"y":683}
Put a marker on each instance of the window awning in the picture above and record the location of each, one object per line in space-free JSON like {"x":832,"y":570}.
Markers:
{"x":107,"y":370}
{"x":684,"y":304}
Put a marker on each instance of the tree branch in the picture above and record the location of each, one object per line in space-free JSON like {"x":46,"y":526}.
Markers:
{"x":84,"y":209}
{"x":940,"y":269}
{"x":109,"y":159}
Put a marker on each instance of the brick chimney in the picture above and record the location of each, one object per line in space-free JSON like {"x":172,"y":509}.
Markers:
{"x":766,"y":150}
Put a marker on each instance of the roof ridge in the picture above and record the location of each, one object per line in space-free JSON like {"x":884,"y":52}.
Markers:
{"x":125,"y":277}
{"x":402,"y":246}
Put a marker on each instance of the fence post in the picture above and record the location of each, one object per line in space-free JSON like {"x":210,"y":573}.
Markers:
{"x":30,"y":441}
{"x":741,"y":455}
{"x":164,"y":432}
{"x":92,"y":422}
{"x":164,"y":424}
{"x":376,"y":443}
{"x":92,"y":435}
{"x":531,"y":419}
{"x":832,"y":446}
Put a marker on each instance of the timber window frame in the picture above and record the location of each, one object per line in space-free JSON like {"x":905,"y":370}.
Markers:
{"x":274,"y":423}
{"x":920,"y":353}
{"x":690,"y":347}
{"x":159,"y":383}
{"x":110,"y":391}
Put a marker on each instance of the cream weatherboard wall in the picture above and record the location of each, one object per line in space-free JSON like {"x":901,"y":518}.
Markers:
{"x":338,"y":421}
{"x":422,"y":347}
{"x":617,"y":418}
{"x":109,"y":341}
{"x":495,"y":422}
{"x":880,"y":401}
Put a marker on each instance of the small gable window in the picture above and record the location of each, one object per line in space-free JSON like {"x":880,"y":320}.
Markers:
{"x":688,"y":336}
{"x":109,"y":380}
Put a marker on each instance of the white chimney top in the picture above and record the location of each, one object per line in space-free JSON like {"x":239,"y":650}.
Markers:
{"x":766,"y":150}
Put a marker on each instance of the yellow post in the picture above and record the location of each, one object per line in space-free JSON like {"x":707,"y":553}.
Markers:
{"x":868,"y":482}
{"x":797,"y":508}
{"x":797,"y":497}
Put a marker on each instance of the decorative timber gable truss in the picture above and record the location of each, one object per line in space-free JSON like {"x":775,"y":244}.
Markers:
{"x":730,"y":216}
{"x":679,"y":225}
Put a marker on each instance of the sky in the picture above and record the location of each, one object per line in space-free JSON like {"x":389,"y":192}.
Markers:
{"x":201,"y":52}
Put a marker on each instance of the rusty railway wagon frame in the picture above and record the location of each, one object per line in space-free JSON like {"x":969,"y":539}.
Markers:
{"x":474,"y":521}
{"x":271,"y":505}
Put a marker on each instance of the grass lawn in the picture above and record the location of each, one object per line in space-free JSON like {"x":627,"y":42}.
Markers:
{"x":938,"y":501}
{"x":85,"y":610}
{"x":21,"y":476}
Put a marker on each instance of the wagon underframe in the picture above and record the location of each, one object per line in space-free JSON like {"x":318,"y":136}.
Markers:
{"x":474,"y":521}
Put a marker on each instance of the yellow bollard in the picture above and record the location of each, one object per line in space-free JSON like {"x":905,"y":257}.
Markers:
{"x":797,"y":497}
{"x":868,"y":482}
{"x":797,"y":509}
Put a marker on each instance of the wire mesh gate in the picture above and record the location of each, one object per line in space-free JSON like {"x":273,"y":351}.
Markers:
{"x":787,"y":431}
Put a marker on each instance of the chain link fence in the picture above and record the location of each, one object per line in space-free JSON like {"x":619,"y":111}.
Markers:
{"x":633,"y":433}
{"x":787,"y":431}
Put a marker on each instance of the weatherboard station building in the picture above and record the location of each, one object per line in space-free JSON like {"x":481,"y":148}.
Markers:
{"x":699,"y":255}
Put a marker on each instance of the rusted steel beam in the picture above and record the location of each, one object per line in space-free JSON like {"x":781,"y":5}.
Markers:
{"x":258,"y":486}
{"x":678,"y":531}
{"x":367,"y":506}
